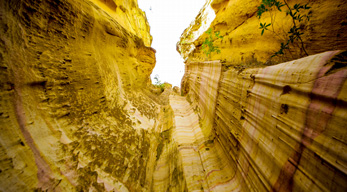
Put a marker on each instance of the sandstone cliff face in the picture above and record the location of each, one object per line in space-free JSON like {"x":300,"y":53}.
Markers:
{"x":129,"y":16}
{"x":243,"y":43}
{"x":74,"y":112}
{"x":281,"y":128}
{"x":78,"y":112}
{"x":272,"y":128}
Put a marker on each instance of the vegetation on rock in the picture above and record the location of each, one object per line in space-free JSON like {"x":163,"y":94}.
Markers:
{"x":297,"y":17}
{"x":158,"y":83}
{"x":208,"y":45}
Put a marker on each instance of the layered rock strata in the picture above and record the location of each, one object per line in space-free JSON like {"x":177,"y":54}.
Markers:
{"x":78,"y":112}
{"x":281,"y":128}
{"x":205,"y":166}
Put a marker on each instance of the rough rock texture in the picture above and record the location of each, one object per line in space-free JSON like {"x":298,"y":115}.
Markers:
{"x":281,"y":128}
{"x":129,"y":16}
{"x":274,"y":128}
{"x":74,"y":111}
{"x":78,"y":112}
{"x":243,"y":44}
{"x":205,"y":165}
{"x":197,"y":27}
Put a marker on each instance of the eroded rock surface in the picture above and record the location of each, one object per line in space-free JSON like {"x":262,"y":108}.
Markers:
{"x":78,"y":111}
{"x":281,"y":127}
{"x":74,"y":112}
{"x":242,"y":42}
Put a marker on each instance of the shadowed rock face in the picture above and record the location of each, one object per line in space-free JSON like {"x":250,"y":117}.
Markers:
{"x":74,"y":112}
{"x":78,"y":111}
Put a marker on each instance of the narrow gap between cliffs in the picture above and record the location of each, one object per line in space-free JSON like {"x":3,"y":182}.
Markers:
{"x":168,"y":20}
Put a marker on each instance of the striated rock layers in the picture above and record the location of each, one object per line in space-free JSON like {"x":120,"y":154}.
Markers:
{"x":78,"y":111}
{"x":278,"y":128}
{"x":261,"y":127}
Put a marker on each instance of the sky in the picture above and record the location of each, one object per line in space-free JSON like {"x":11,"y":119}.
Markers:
{"x":168,"y":19}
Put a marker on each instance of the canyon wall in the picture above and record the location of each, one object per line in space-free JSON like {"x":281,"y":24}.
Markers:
{"x":280,"y":127}
{"x":242,"y":42}
{"x":78,"y":111}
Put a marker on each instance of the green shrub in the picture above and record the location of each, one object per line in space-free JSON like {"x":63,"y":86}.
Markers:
{"x":158,"y":83}
{"x":295,"y":32}
{"x":208,"y":46}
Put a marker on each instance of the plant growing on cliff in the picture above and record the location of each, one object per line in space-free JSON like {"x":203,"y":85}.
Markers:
{"x":295,"y":12}
{"x":207,"y":45}
{"x":158,"y":83}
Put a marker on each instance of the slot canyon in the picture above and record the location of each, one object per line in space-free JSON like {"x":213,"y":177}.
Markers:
{"x":267,"y":111}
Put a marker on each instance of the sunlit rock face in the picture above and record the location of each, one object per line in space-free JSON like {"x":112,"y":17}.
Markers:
{"x":78,"y":111}
{"x":129,"y":16}
{"x":205,"y":165}
{"x":75,"y":114}
{"x":195,"y":30}
{"x":242,"y":41}
{"x":280,"y":128}
{"x":272,"y":128}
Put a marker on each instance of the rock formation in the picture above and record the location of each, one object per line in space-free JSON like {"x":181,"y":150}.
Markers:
{"x":75,"y":114}
{"x":78,"y":111}
{"x":242,"y":43}
{"x":274,"y":128}
{"x":279,"y":128}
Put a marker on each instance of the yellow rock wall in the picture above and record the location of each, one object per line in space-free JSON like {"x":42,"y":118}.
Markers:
{"x":78,"y":112}
{"x":281,"y":128}
{"x":205,"y":166}
{"x":129,"y":15}
{"x":200,"y":83}
{"x":294,"y":119}
{"x":75,"y":113}
{"x":168,"y":173}
{"x":272,"y":128}
{"x":243,"y":43}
